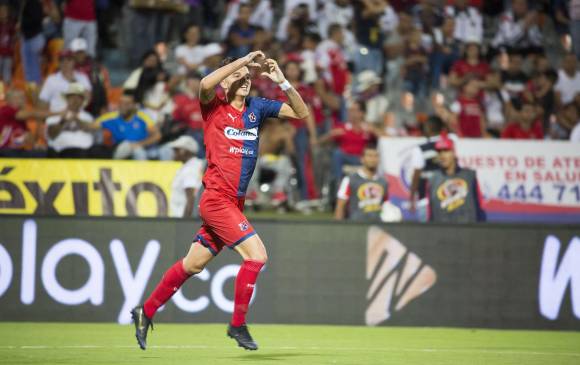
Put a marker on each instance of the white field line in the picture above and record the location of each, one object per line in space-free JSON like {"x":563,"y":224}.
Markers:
{"x":309,"y":348}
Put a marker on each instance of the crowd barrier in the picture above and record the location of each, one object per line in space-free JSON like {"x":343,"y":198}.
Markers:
{"x":495,"y":276}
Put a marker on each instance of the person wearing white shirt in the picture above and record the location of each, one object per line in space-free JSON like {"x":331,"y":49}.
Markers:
{"x":262,"y":15}
{"x":56,"y":85}
{"x":468,"y":21}
{"x":71,"y":134}
{"x":568,"y":84}
{"x":190,"y":55}
{"x":187,"y":180}
{"x":518,"y":28}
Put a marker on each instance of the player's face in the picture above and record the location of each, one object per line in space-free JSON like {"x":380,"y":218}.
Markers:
{"x":292,"y":71}
{"x":193,"y":85}
{"x":75,"y":102}
{"x":355,"y":114}
{"x":126,"y":106}
{"x":238,"y":83}
{"x":446,"y":158}
{"x":370,"y":159}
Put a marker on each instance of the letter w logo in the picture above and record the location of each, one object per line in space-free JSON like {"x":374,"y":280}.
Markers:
{"x":554,"y":280}
{"x":397,"y":276}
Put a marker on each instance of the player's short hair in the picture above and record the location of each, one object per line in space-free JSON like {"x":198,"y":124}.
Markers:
{"x":193,"y":74}
{"x":227,"y":61}
{"x":313,"y":36}
{"x":333,"y":28}
{"x":551,"y":75}
{"x":361,"y":104}
{"x":187,"y":27}
{"x":130,"y":93}
{"x":435,"y":124}
{"x":371,"y":146}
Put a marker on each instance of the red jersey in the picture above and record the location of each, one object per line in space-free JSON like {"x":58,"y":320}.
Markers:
{"x":188,"y":111}
{"x":12,"y":130}
{"x":310,"y":97}
{"x":514,"y":130}
{"x":469,"y":116}
{"x":462,"y":68}
{"x":353,"y":141}
{"x":231,"y":141}
{"x":80,"y":10}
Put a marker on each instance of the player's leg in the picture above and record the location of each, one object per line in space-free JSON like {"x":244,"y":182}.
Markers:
{"x":193,"y":263}
{"x":254,"y":255}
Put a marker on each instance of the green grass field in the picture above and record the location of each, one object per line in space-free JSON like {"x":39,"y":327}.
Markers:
{"x":59,"y":343}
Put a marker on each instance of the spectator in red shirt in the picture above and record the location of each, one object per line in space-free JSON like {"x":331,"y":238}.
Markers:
{"x":528,"y":125}
{"x":80,"y":20}
{"x":7,"y":40}
{"x":14,"y":136}
{"x":187,"y":111}
{"x":466,"y":116}
{"x":471,"y":64}
{"x":350,"y":138}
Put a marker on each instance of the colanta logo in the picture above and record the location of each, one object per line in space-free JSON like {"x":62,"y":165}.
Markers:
{"x":241,"y":134}
{"x":397,"y":276}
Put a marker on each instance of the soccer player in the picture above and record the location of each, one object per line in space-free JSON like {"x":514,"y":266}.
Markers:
{"x":231,"y":127}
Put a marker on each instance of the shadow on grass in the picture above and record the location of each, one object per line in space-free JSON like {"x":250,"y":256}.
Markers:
{"x":270,"y":357}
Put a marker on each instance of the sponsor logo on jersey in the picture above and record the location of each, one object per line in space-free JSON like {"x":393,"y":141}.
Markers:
{"x":371,"y":196}
{"x":232,"y":117}
{"x":241,"y":151}
{"x":397,"y":276}
{"x":452,"y":194}
{"x":241,"y":134}
{"x":252,"y":117}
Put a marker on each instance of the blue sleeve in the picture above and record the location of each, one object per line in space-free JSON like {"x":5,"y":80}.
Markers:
{"x":268,"y":108}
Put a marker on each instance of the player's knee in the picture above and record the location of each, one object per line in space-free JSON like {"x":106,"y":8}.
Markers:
{"x":191,"y":267}
{"x":259,"y":257}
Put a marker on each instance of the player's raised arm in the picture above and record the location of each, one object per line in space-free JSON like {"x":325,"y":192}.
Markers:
{"x":296,"y":107}
{"x":208,"y":83}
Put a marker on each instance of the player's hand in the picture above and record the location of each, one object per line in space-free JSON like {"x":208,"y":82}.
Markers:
{"x":254,"y":59}
{"x":273,"y":71}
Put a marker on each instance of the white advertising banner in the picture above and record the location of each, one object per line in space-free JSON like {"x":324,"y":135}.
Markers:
{"x":520,"y":180}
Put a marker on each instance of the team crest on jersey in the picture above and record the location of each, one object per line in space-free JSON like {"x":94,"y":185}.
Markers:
{"x":452,"y":194}
{"x":252,"y":117}
{"x":244,"y":226}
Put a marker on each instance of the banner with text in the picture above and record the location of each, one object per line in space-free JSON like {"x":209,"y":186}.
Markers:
{"x":85,"y":187}
{"x":97,"y":269}
{"x":520,"y":180}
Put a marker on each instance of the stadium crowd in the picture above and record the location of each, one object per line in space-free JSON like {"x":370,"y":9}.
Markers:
{"x":367,"y":69}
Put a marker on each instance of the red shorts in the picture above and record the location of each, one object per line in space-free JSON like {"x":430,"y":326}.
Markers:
{"x":224,"y":223}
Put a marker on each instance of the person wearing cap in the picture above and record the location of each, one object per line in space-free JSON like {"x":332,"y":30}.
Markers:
{"x":424,"y":162}
{"x":187,"y":180}
{"x":453,"y":191}
{"x":97,"y":73}
{"x":368,"y":87}
{"x":70,"y":134}
{"x":57,"y":84}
